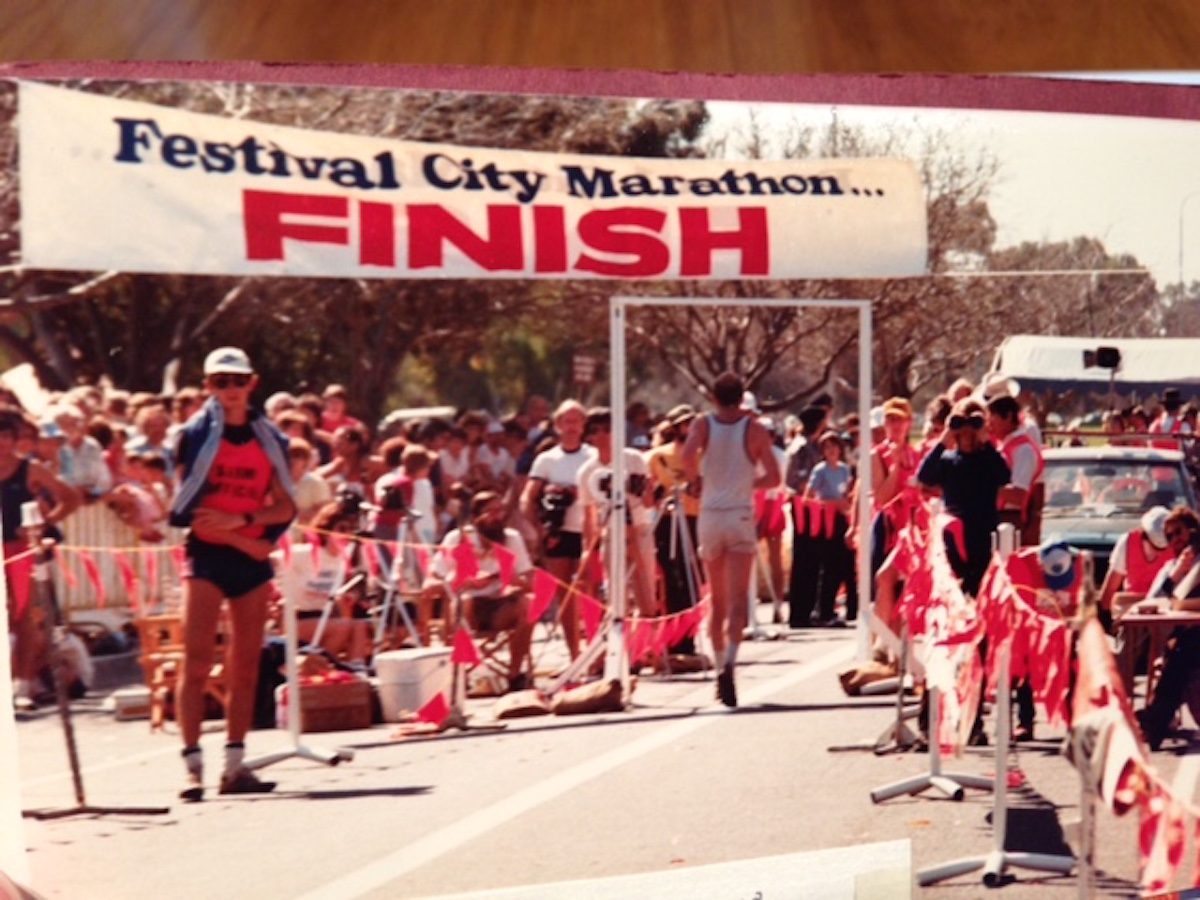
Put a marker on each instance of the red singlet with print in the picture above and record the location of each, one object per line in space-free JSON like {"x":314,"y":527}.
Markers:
{"x":238,"y":481}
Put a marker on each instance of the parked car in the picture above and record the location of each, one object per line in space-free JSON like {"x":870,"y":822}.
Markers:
{"x":1096,"y":494}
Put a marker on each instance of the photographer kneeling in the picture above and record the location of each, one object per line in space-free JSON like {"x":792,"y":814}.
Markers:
{"x":495,"y":597}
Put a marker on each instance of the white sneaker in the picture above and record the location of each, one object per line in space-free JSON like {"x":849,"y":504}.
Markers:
{"x":23,"y":697}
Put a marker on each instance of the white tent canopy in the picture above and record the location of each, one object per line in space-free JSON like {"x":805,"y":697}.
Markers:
{"x":1054,"y":363}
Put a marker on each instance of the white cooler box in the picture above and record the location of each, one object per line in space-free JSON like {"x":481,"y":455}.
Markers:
{"x":408,"y":679}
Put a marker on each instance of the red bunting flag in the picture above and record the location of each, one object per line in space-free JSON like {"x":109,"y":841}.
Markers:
{"x":1161,"y":839}
{"x":812,"y":513}
{"x":676,"y":627}
{"x":507,"y":562}
{"x":595,"y":569}
{"x":68,"y":572}
{"x":423,"y":560}
{"x":150,"y":565}
{"x":592,"y":611}
{"x":829,"y":516}
{"x":465,"y":566}
{"x":465,"y":653}
{"x":129,"y":577}
{"x":177,"y":559}
{"x":544,"y":588}
{"x":638,"y":641}
{"x":20,"y":575}
{"x":435,"y":711}
{"x":659,"y":642}
{"x":93,"y":573}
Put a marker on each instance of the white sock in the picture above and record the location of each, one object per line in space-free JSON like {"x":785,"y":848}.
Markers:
{"x":193,"y":758}
{"x":234,"y":754}
{"x":731,"y":654}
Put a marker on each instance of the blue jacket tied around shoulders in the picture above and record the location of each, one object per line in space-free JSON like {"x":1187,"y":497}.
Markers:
{"x":200,"y":439}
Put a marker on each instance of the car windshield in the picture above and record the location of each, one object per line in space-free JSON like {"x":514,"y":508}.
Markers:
{"x":1105,"y":488}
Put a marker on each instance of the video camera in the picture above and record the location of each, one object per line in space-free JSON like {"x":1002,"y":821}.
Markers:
{"x":556,"y":500}
{"x":350,"y":502}
{"x":637,"y":484}
{"x":391,"y":499}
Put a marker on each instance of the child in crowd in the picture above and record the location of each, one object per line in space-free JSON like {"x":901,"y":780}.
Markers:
{"x":143,"y":500}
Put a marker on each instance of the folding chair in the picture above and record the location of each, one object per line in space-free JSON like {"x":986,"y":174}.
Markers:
{"x":161,"y":640}
{"x":494,"y":649}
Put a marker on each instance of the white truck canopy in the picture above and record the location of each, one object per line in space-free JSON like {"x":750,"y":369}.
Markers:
{"x":1148,"y":365}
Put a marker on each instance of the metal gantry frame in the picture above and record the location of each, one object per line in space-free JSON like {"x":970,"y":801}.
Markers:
{"x":617,"y":663}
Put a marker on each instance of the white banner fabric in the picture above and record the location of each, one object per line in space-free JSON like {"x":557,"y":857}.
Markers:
{"x":108,"y":184}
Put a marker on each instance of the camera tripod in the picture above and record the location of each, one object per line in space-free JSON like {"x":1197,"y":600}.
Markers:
{"x":402,"y":574}
{"x":681,"y":552}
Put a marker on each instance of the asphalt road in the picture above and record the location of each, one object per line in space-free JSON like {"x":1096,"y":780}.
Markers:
{"x":674,"y":794}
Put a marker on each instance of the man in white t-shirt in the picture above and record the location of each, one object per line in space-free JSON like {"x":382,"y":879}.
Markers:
{"x":595,"y":491}
{"x":551,"y":499}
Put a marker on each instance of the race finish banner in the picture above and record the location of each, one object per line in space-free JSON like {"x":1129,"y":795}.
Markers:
{"x":113,"y":184}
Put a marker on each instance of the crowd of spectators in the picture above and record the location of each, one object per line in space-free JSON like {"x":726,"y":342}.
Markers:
{"x":116,"y":448}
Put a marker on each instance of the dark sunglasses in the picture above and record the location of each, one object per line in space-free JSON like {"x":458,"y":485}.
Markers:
{"x":220,"y":382}
{"x":957,"y":423}
{"x":1171,"y":533}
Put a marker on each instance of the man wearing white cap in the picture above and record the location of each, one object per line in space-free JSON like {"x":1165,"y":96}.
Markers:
{"x":997,"y":384}
{"x":1136,"y":559}
{"x":235,"y":497}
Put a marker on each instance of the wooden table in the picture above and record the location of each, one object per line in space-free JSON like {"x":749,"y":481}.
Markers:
{"x":764,"y":36}
{"x":1151,"y":630}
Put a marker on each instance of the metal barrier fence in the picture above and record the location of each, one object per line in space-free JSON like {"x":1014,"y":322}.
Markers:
{"x":103,"y":563}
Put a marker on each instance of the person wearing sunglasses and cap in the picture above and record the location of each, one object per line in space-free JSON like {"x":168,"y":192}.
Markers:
{"x":1135,"y":561}
{"x":970,"y":472}
{"x":235,"y":497}
{"x":1177,"y":583}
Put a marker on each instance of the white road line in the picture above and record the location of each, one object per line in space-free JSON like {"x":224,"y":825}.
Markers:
{"x":95,"y":768}
{"x":397,"y":864}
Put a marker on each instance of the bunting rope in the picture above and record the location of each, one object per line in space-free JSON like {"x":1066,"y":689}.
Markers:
{"x":647,"y":633}
{"x":1043,"y":648}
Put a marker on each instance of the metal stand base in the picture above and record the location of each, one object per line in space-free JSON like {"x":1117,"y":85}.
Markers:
{"x":58,"y":666}
{"x":301,"y":562}
{"x":994,"y":865}
{"x":999,"y":859}
{"x":325,"y":757}
{"x":949,"y":783}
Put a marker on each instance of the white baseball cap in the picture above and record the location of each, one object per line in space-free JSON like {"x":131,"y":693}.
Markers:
{"x":228,"y":359}
{"x":1154,"y":522}
{"x":997,"y":384}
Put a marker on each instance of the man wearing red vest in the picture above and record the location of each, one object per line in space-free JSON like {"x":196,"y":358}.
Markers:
{"x":1169,"y":421}
{"x":1135,"y":561}
{"x":1020,"y":500}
